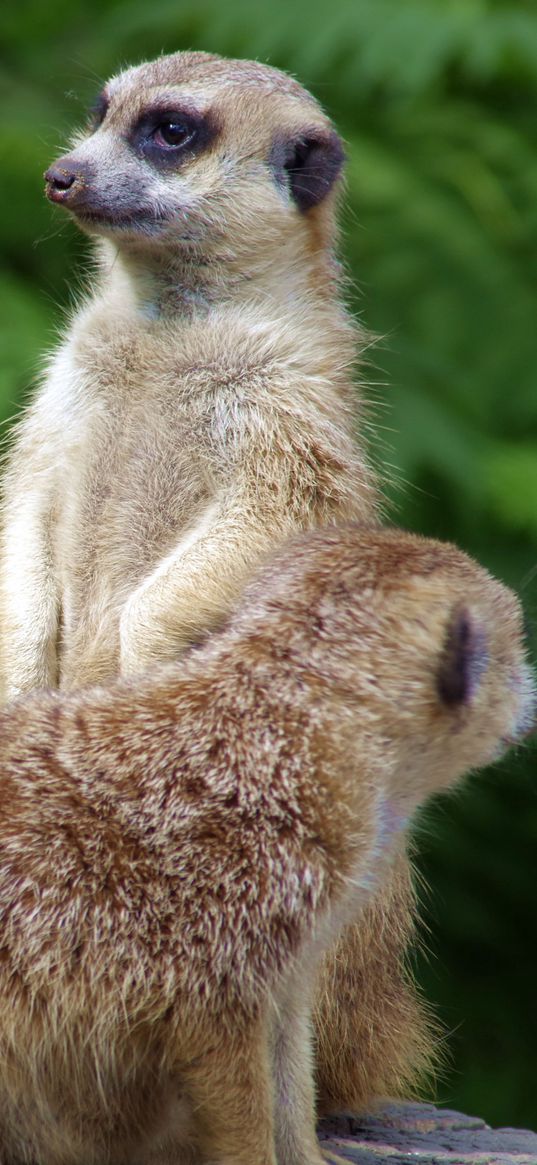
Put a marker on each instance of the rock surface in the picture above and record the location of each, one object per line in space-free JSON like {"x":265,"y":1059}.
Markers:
{"x":425,"y":1135}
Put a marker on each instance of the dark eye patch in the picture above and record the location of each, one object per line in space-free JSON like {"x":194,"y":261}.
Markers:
{"x":167,"y":136}
{"x":97,"y":112}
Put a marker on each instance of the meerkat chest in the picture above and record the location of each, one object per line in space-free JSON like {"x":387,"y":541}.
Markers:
{"x":140,"y":458}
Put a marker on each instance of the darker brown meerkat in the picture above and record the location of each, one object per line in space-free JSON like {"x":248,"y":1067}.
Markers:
{"x":177,"y":852}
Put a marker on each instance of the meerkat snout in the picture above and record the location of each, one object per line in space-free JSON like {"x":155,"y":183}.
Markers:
{"x":65,"y":181}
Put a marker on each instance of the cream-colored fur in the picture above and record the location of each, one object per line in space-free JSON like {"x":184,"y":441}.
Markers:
{"x":176,"y":852}
{"x":200,"y":407}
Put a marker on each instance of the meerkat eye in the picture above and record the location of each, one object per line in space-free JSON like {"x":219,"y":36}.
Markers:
{"x":172,"y":133}
{"x":167,"y":138}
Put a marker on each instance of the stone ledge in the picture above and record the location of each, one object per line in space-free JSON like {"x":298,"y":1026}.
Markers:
{"x":402,"y":1133}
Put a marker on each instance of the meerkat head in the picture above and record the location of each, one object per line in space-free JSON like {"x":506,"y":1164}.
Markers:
{"x":195,"y":153}
{"x":414,"y":638}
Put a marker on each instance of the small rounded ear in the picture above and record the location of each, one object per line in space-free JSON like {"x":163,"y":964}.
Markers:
{"x":307,"y":165}
{"x":464,"y":658}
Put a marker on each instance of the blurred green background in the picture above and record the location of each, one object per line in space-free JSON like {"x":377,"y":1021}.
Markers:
{"x":437,"y":102}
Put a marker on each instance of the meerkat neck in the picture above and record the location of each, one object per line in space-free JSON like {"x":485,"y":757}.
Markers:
{"x":191,"y":282}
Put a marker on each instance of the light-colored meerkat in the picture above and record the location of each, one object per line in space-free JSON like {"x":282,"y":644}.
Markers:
{"x":176,"y":852}
{"x":200,"y":407}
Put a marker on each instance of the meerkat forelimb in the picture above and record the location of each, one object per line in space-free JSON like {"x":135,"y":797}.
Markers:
{"x":176,"y":853}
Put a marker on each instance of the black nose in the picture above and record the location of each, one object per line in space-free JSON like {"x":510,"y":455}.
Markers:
{"x":65,"y":180}
{"x":59,"y":178}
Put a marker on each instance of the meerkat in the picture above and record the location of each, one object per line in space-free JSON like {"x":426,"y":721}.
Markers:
{"x":176,"y":852}
{"x":200,"y":408}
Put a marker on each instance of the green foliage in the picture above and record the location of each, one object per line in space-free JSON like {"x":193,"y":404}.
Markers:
{"x":510,"y":473}
{"x":436,"y":100}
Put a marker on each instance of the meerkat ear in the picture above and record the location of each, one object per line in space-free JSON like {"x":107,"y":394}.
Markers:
{"x":308,"y":165}
{"x":463,"y":660}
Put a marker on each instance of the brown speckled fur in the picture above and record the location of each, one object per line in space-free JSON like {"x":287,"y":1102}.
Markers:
{"x":177,"y":851}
